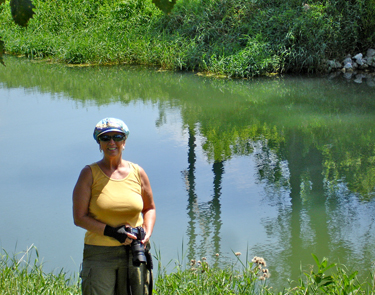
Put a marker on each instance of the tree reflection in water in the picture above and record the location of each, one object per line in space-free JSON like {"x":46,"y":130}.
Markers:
{"x":312,"y":140}
{"x":308,"y":203}
{"x":206,"y":215}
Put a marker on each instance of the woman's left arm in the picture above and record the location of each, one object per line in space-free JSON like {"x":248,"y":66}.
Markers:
{"x":149,"y":210}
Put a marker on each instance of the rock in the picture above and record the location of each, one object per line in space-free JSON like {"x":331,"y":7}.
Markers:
{"x":330,"y":65}
{"x":370,"y":82}
{"x":358,"y":78}
{"x":371,"y":61}
{"x":370,"y":52}
{"x":348,"y":67}
{"x":333,"y":75}
{"x":333,"y":65}
{"x":360,"y":61}
{"x":347,"y":60}
{"x":348,"y":75}
{"x":358,"y":56}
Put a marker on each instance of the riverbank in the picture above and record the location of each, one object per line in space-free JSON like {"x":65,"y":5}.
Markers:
{"x":238,"y":38}
{"x":20,"y":276}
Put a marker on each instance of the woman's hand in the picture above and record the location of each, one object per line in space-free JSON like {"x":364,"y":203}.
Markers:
{"x":130,"y":237}
{"x":119,"y":233}
{"x":146,"y":239}
{"x":129,"y":240}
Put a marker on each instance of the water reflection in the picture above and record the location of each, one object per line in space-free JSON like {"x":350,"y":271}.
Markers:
{"x":311,"y":141}
{"x":203,"y":215}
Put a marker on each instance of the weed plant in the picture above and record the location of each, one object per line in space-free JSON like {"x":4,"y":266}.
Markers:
{"x":201,"y":278}
{"x":251,"y":278}
{"x":21,"y":276}
{"x":236,"y":38}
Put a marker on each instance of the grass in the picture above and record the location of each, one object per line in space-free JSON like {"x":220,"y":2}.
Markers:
{"x":200,"y":278}
{"x":234,"y":38}
{"x":21,"y":276}
{"x":250,"y":277}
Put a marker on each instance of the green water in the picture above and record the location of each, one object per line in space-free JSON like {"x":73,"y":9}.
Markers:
{"x":276,"y":167}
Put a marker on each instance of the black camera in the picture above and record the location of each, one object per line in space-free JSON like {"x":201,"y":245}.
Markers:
{"x":138,"y":249}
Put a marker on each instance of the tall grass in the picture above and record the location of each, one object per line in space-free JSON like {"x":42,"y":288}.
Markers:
{"x":236,"y":38}
{"x":23,"y":276}
{"x":251,"y":277}
{"x":201,"y":278}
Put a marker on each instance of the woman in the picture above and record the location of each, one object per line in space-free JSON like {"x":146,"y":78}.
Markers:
{"x":113,"y":201}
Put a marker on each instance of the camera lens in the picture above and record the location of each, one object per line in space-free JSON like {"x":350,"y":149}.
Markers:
{"x":137,"y":247}
{"x":138,"y":251}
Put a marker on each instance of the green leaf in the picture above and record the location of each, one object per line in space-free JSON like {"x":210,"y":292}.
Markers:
{"x":353,"y":275}
{"x":329,"y":281}
{"x":165,"y":5}
{"x":2,"y":2}
{"x":317,"y":279}
{"x":316,"y":259}
{"x":22,"y":11}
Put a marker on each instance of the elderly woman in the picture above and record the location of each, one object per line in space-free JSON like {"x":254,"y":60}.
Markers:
{"x":113,"y":201}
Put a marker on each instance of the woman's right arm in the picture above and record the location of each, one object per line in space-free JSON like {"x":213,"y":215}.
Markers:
{"x":81,"y":202}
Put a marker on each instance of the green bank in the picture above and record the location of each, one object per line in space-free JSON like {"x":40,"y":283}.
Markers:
{"x":235,"y":38}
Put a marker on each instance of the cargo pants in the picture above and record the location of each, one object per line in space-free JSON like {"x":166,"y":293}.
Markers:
{"x":110,"y":271}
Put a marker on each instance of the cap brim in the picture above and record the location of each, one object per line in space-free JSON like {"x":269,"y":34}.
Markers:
{"x":110,"y":130}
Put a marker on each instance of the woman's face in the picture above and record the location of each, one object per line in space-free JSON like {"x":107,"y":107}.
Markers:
{"x":112,"y":143}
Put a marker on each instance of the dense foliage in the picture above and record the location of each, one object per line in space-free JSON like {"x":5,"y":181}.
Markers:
{"x":237,"y":38}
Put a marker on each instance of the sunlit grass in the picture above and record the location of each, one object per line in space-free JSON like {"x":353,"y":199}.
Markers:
{"x":251,"y":277}
{"x":23,"y":276}
{"x":200,"y":278}
{"x":238,"y":38}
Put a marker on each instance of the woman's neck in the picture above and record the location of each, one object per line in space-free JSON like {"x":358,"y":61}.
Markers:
{"x":112,"y":163}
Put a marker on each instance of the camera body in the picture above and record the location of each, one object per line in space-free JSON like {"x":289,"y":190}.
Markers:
{"x":137,"y":247}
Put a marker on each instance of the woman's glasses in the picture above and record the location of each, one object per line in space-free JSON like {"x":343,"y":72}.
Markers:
{"x":116,"y":137}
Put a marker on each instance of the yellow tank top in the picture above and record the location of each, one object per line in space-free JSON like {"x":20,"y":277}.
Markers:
{"x":114,"y":202}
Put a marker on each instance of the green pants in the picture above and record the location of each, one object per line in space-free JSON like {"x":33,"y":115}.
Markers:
{"x":110,"y":271}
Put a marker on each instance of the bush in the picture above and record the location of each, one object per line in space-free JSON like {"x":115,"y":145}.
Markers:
{"x":237,"y":38}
